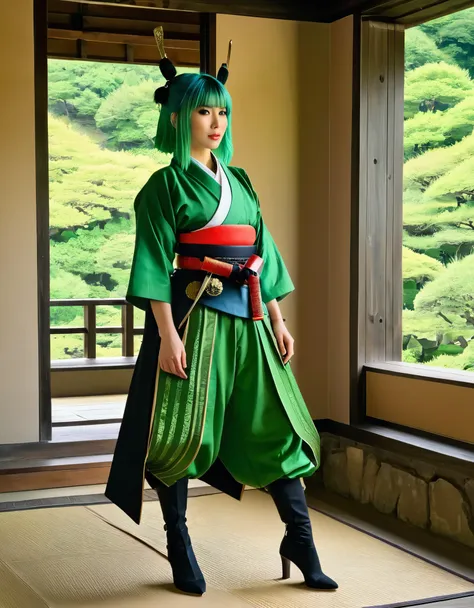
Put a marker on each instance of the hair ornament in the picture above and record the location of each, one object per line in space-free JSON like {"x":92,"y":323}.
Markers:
{"x":223,"y":73}
{"x":166,"y":67}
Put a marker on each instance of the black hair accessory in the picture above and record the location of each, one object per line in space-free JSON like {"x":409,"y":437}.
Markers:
{"x":223,"y":73}
{"x":167,"y":68}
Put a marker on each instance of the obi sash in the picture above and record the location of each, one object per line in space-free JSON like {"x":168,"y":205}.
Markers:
{"x":218,"y":267}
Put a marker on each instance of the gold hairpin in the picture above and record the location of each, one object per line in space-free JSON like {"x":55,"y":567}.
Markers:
{"x":229,"y":53}
{"x":160,"y":40}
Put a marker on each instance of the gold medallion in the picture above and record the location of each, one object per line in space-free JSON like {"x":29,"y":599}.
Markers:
{"x":215,"y":287}
{"x":192,"y":289}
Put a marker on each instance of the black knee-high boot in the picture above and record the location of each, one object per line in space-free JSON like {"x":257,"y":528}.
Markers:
{"x":187,"y":575}
{"x":297,"y":545}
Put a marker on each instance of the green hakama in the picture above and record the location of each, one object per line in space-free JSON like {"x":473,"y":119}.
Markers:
{"x":240,"y":406}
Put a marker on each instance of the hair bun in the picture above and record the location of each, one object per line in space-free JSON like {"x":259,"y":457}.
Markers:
{"x":161,"y":95}
{"x":223,"y":73}
{"x":167,"y":68}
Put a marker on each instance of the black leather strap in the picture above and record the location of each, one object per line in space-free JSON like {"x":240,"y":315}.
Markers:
{"x":216,"y":251}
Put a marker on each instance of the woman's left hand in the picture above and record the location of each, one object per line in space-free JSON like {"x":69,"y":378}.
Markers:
{"x":284,"y":339}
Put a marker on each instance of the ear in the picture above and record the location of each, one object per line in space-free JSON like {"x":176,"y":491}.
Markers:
{"x":174,"y":117}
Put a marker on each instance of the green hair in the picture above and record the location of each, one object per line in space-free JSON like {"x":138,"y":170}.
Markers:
{"x":186,"y":93}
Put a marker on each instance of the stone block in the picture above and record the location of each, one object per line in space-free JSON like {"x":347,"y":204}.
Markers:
{"x":387,"y":489}
{"x":469,"y":489}
{"x":448,"y":512}
{"x":413,"y":505}
{"x":423,"y":470}
{"x":335,"y":473}
{"x":355,"y":471}
{"x":368,"y":481}
{"x":329,"y":444}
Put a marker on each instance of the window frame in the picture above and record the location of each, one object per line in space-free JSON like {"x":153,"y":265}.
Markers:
{"x":376,"y":325}
{"x":207,"y":63}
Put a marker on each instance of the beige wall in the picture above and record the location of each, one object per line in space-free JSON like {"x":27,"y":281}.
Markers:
{"x":18,"y":274}
{"x":312,"y":213}
{"x":340,"y":218}
{"x":263,"y":85}
{"x":443,"y":409}
{"x":291,"y":85}
{"x":97,"y":382}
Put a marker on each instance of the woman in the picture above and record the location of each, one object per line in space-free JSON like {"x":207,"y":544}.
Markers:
{"x":213,"y":395}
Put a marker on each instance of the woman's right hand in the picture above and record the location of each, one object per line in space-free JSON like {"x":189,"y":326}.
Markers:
{"x":172,"y":357}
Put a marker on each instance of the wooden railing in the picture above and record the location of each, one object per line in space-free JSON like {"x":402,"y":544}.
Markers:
{"x":90,"y":329}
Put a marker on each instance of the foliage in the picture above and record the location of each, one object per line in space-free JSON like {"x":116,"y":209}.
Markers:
{"x":418,"y":267}
{"x":77,"y":88}
{"x":93,"y":184}
{"x":454,"y":36}
{"x":438,"y":236}
{"x":420,"y":49}
{"x":421,"y":171}
{"x":441,"y":82}
{"x":128,"y":118}
{"x":452,"y":294}
{"x":439,"y":129}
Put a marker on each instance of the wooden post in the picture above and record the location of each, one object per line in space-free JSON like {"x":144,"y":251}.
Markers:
{"x":128,"y":333}
{"x":90,"y":335}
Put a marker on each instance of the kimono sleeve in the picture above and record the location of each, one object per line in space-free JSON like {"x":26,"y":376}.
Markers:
{"x":275,"y":281}
{"x":154,"y":253}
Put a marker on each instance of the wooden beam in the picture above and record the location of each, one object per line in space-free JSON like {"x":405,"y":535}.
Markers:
{"x":132,"y":13}
{"x":129,"y":39}
{"x":140,"y":26}
{"x":408,"y":12}
{"x":56,"y":477}
{"x":117,"y":53}
{"x":297,"y":10}
{"x":302,"y":10}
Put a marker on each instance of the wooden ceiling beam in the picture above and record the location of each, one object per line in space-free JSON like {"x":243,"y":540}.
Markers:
{"x":119,"y":53}
{"x":120,"y":10}
{"x":408,"y":12}
{"x":127,"y":26}
{"x":131,"y":39}
{"x":296,"y":10}
{"x":399,"y":11}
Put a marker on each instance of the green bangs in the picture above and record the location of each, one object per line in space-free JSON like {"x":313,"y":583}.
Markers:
{"x":188,"y":92}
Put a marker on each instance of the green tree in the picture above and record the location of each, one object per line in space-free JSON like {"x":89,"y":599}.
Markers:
{"x":77,"y":88}
{"x":440,"y":129}
{"x":451,"y":294}
{"x":420,"y":172}
{"x":418,"y":269}
{"x":90,"y":186}
{"x":128,"y":117}
{"x":436,"y":82}
{"x":420,"y":49}
{"x":438,"y":210}
{"x":454,"y":36}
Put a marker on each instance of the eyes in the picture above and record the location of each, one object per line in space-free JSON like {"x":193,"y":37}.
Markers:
{"x":205,"y":112}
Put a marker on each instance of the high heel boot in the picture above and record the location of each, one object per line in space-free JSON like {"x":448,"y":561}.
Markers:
{"x":297,"y":545}
{"x":187,"y":575}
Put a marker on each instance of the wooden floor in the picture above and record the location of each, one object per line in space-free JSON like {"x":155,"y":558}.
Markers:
{"x":77,"y":410}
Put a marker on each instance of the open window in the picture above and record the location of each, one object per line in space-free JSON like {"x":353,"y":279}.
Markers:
{"x":99,"y":78}
{"x":416,"y":221}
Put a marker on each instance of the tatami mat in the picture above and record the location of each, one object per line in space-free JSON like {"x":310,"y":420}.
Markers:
{"x":81,"y":557}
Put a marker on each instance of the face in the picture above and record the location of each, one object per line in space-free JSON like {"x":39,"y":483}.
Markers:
{"x":208,"y":126}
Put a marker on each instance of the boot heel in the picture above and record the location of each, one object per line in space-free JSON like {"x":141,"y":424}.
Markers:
{"x":285,"y":568}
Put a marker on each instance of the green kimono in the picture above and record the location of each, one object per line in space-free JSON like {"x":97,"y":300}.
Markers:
{"x":239,"y":418}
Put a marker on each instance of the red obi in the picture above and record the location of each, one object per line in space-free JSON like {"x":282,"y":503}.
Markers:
{"x":225,"y":251}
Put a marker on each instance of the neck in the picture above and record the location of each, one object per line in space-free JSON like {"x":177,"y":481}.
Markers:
{"x":203,"y":155}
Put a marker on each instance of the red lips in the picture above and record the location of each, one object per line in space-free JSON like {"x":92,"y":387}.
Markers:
{"x":215,"y":137}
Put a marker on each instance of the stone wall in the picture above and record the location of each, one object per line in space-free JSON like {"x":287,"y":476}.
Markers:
{"x":427,"y":495}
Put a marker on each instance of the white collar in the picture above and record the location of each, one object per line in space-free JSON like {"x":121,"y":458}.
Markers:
{"x":218,"y":175}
